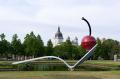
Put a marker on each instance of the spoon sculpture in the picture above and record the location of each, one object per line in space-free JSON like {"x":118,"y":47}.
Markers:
{"x":88,"y":43}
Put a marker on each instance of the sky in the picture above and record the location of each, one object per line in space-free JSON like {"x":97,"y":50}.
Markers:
{"x":44,"y":16}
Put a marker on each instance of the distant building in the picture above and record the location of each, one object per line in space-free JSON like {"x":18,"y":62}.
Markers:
{"x":59,"y":38}
{"x":75,"y":41}
{"x":68,"y":38}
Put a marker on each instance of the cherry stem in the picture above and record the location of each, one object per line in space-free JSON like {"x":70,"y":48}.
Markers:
{"x":88,"y":25}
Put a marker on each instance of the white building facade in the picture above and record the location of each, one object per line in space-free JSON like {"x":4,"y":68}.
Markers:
{"x":58,"y":39}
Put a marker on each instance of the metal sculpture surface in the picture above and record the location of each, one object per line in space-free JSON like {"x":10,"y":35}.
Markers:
{"x":85,"y":57}
{"x":88,"y":43}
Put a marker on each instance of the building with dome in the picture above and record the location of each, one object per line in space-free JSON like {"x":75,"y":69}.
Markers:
{"x":59,"y":38}
{"x":75,"y":41}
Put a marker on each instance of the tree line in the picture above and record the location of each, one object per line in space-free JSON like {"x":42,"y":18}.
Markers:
{"x":33,"y":46}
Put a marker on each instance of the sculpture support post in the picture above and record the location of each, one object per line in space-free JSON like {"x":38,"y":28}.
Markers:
{"x":115,"y":58}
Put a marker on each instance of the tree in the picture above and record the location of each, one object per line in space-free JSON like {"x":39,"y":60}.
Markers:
{"x":5,"y":47}
{"x":76,"y":54}
{"x":108,"y":48}
{"x":40,"y":49}
{"x":49,"y":48}
{"x":29,"y":44}
{"x":33,"y":45}
{"x":81,"y":52}
{"x":59,"y":51}
{"x":98,"y":51}
{"x":65,"y":50}
{"x":2,"y":36}
{"x":68,"y":49}
{"x":17,"y":45}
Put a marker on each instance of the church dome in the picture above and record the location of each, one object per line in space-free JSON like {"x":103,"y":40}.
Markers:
{"x":59,"y":35}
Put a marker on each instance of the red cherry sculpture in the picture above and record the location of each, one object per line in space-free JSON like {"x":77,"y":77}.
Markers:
{"x":88,"y":41}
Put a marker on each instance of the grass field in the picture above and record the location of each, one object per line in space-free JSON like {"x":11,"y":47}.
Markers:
{"x":90,"y":65}
{"x":60,"y":75}
{"x":91,"y":70}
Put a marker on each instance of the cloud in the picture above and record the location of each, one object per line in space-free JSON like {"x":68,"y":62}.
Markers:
{"x":44,"y":16}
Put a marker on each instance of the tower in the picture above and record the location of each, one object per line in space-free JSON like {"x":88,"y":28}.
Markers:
{"x":68,"y":38}
{"x":75,"y":41}
{"x":58,"y":37}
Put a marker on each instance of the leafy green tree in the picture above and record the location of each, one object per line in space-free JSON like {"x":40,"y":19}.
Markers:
{"x":81,"y":52}
{"x":111,"y":47}
{"x":98,"y":51}
{"x":49,"y":48}
{"x":29,"y":44}
{"x":5,"y":47}
{"x":106,"y":49}
{"x":40,"y":49}
{"x":76,"y":54}
{"x":66,"y":50}
{"x":2,"y":36}
{"x":17,"y":45}
{"x":59,"y":51}
{"x":33,"y":45}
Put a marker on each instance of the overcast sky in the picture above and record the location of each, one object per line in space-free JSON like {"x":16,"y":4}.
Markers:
{"x":44,"y":16}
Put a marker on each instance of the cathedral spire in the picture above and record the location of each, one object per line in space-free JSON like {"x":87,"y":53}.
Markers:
{"x":76,"y":38}
{"x":68,"y":38}
{"x":58,"y":37}
{"x":58,"y":28}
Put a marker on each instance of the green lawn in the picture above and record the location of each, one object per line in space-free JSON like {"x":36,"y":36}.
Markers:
{"x":91,"y":70}
{"x":60,"y":75}
{"x":90,"y":65}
